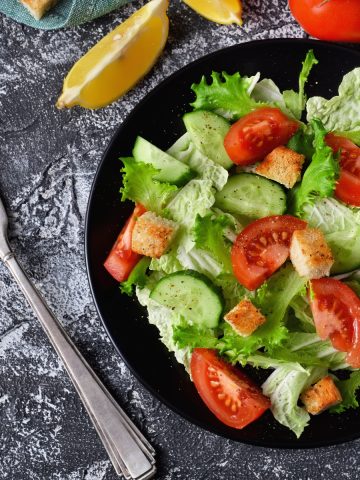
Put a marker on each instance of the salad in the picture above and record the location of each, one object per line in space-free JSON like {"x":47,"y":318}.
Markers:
{"x":244,"y":246}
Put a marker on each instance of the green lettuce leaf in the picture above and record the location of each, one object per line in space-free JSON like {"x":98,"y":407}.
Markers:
{"x":232,"y":290}
{"x":273,"y":300}
{"x":296,"y":101}
{"x":194,"y":199}
{"x":140,"y":187}
{"x":164,"y":319}
{"x":169,"y":262}
{"x":185,"y":151}
{"x":330,"y":215}
{"x":136,"y":277}
{"x":209,"y":235}
{"x":341,"y":112}
{"x":309,"y":350}
{"x":348,"y":389}
{"x":302,"y":311}
{"x":184,"y":255}
{"x":263,"y":360}
{"x":199,"y":260}
{"x":228,"y":95}
{"x":303,"y":142}
{"x":320,"y":177}
{"x":266,"y":91}
{"x":341,"y":227}
{"x":193,"y":336}
{"x":284,"y":387}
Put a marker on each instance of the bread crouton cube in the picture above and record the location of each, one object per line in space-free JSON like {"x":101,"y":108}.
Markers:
{"x":321,"y":396}
{"x":310,"y":254}
{"x":245,"y":318}
{"x":38,"y":8}
{"x":282,"y":165}
{"x":152,"y":235}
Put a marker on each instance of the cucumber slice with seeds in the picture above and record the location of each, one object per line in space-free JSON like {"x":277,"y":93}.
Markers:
{"x":170,"y":169}
{"x":191,"y":295}
{"x":208,"y":130}
{"x":252,"y":196}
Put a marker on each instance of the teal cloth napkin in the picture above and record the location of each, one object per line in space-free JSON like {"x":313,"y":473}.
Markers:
{"x":67,"y":13}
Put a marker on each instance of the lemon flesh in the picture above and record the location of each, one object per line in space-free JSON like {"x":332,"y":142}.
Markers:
{"x":219,"y":11}
{"x":118,"y":61}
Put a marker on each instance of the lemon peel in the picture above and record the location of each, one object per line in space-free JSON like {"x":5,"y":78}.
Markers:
{"x":119,"y":60}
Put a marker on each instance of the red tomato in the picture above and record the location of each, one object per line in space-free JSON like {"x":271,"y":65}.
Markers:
{"x":337,"y":20}
{"x":262,"y":247}
{"x":257,"y":134}
{"x":230,"y":395}
{"x":122,"y":259}
{"x":336,"y":311}
{"x":348,"y":186}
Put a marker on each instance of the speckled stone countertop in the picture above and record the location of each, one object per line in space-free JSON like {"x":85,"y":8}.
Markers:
{"x":48,"y":159}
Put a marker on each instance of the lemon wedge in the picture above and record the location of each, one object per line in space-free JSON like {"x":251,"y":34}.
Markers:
{"x":219,"y":11}
{"x":119,"y":60}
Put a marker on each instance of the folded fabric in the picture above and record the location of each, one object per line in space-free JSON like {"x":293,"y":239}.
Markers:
{"x":67,"y":13}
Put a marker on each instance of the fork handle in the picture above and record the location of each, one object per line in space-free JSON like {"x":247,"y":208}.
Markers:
{"x":103,"y":409}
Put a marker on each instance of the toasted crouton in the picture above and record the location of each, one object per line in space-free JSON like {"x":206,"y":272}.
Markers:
{"x":38,"y":8}
{"x":152,"y":235}
{"x":282,"y":165}
{"x":310,"y":254}
{"x":245,"y":318}
{"x":321,"y":396}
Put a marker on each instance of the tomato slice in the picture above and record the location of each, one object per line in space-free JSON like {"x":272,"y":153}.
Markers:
{"x":122,"y":259}
{"x":336,"y":311}
{"x":348,"y":186}
{"x":255,"y":135}
{"x":230,"y":395}
{"x":262,"y":247}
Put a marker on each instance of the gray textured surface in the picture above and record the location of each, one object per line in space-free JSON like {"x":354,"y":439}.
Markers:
{"x":48,"y":159}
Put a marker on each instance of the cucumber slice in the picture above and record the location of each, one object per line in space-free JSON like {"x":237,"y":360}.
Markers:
{"x":207,"y":131}
{"x":171,"y":170}
{"x":252,"y":196}
{"x":191,"y":295}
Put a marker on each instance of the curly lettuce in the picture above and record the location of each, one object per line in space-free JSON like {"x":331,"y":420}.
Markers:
{"x":273,"y":300}
{"x":348,"y":389}
{"x":319,"y":179}
{"x":137,"y":277}
{"x":140,"y":186}
{"x":209,"y":234}
{"x":296,"y":101}
{"x":228,"y":95}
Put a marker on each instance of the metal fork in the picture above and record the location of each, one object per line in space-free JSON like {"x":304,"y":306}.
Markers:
{"x":130,"y":453}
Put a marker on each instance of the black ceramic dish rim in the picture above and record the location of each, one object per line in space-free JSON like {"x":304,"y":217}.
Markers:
{"x":265,"y":444}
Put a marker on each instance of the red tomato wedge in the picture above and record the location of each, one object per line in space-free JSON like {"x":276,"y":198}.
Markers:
{"x":262,"y":247}
{"x":336,"y":311}
{"x":256,"y":134}
{"x":228,"y":393}
{"x":122,"y":259}
{"x":348,"y":186}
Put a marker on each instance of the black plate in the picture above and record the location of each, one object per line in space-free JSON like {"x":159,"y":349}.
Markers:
{"x":158,"y":119}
